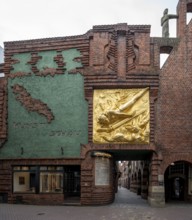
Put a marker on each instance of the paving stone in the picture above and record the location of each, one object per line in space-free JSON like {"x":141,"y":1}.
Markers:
{"x":127,"y":206}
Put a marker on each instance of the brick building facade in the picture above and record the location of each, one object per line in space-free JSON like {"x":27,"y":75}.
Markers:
{"x":56,"y":143}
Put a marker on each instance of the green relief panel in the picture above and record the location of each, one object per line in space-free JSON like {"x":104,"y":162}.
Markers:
{"x":30,"y":133}
{"x":22,"y":65}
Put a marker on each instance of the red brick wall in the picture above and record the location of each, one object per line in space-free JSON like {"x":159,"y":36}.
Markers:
{"x":174,"y":104}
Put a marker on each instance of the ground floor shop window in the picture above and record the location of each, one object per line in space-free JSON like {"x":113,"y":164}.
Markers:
{"x":35,"y":179}
{"x":24,"y":179}
{"x":51,"y":180}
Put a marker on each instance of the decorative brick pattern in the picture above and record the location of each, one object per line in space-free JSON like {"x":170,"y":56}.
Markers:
{"x":31,"y":104}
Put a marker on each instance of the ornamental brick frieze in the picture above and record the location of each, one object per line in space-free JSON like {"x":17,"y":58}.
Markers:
{"x":113,"y":51}
{"x":36,"y":50}
{"x":41,"y":64}
{"x":58,"y":60}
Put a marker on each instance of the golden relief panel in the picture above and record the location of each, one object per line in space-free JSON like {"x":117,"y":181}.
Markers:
{"x":121,"y":116}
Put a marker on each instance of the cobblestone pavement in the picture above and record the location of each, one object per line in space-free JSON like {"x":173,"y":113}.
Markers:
{"x":127,"y":206}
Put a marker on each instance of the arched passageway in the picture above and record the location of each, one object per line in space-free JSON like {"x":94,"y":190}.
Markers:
{"x":178,"y":182}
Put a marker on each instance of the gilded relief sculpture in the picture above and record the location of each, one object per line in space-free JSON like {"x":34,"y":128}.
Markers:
{"x":121,"y":116}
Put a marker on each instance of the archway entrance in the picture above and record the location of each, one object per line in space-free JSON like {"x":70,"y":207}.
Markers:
{"x":174,"y":189}
{"x":133,"y":167}
{"x":178,"y":182}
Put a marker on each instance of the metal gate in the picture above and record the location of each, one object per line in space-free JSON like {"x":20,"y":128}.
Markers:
{"x":72,"y":181}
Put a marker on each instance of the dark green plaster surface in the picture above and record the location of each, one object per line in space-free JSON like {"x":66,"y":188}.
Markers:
{"x":30,"y":135}
{"x":21,"y":65}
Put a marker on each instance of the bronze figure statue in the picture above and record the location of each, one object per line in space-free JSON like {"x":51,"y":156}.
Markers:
{"x":165,"y":22}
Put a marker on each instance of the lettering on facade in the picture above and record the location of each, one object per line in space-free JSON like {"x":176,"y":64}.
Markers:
{"x":65,"y":133}
{"x":29,"y":125}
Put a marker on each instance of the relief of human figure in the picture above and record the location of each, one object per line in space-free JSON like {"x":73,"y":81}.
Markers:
{"x":165,"y":22}
{"x":126,"y":123}
{"x":112,"y":119}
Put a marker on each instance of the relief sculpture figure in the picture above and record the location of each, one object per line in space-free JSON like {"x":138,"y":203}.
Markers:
{"x":127,"y":122}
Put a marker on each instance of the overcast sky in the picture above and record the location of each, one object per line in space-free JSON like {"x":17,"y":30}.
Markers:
{"x":32,"y":19}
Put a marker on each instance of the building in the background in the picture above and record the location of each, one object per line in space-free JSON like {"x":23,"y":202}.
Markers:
{"x":123,"y":178}
{"x":135,"y":176}
{"x":72,"y":107}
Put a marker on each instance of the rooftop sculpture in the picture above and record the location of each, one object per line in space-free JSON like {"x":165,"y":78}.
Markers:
{"x":165,"y":22}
